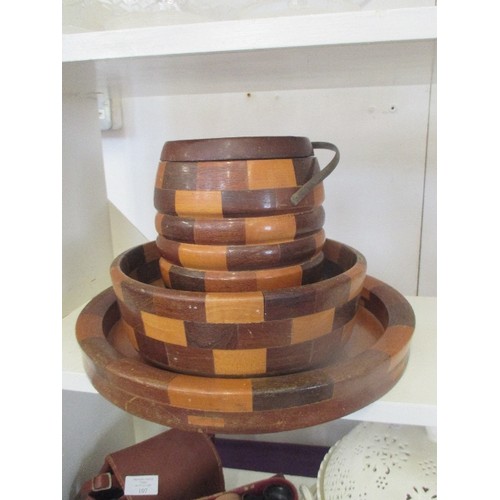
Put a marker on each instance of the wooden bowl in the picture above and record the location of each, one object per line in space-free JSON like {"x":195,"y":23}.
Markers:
{"x":236,"y":175}
{"x":236,"y":331}
{"x":248,"y":203}
{"x":241,"y":257}
{"x":183,"y":278}
{"x":371,"y":363}
{"x":240,"y":230}
{"x":216,"y":360}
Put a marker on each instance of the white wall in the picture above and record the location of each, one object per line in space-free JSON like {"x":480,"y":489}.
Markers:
{"x":86,"y":248}
{"x":92,"y":428}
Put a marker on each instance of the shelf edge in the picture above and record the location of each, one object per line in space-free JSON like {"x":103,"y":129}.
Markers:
{"x":418,"y":23}
{"x":397,"y":413}
{"x":78,"y":382}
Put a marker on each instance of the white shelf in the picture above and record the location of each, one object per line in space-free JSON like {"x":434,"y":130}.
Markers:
{"x":411,"y":401}
{"x":348,"y":49}
{"x":388,"y":25}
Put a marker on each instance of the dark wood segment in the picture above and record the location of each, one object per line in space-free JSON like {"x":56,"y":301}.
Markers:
{"x":188,"y":360}
{"x":178,"y":176}
{"x":211,"y":176}
{"x":152,"y":350}
{"x":268,"y":256}
{"x":182,"y":229}
{"x":164,"y":201}
{"x":264,"y":334}
{"x":289,"y":359}
{"x":280,"y":304}
{"x":218,"y":176}
{"x":240,"y":230}
{"x":345,"y":312}
{"x":289,"y":391}
{"x":208,"y":336}
{"x":234,"y":203}
{"x":182,"y":278}
{"x":376,"y":300}
{"x":236,"y":148}
{"x":162,"y":301}
{"x":267,"y":201}
{"x":360,"y":374}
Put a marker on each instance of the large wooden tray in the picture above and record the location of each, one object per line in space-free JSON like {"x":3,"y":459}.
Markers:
{"x":372,"y":362}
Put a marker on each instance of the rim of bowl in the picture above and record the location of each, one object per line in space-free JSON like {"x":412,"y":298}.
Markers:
{"x":150,"y":248}
{"x":237,"y":148}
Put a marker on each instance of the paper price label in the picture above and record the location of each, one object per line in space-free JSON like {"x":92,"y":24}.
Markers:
{"x":141,"y":485}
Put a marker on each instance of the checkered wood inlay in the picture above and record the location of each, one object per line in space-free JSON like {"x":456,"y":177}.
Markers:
{"x":134,"y":270}
{"x":238,"y":175}
{"x":240,"y":230}
{"x":240,"y":334}
{"x":241,"y":257}
{"x":182,"y":278}
{"x":382,"y":327}
{"x":279,"y":329}
{"x":300,"y":354}
{"x":249,"y":203}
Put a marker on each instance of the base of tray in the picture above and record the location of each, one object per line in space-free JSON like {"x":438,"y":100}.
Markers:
{"x":370,"y":364}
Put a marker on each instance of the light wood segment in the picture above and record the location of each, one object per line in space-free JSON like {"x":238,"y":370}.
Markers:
{"x":270,"y":229}
{"x":165,"y":329}
{"x":199,"y":421}
{"x":236,"y":362}
{"x":312,"y":326}
{"x":160,"y":172}
{"x":211,"y":394}
{"x":270,"y":279}
{"x":271,"y":174}
{"x":245,"y":307}
{"x":187,"y":203}
{"x":212,"y":257}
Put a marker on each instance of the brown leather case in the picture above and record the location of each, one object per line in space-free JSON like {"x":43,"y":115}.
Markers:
{"x":186,"y":463}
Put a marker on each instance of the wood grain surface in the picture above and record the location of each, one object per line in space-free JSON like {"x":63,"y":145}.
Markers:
{"x":138,"y":286}
{"x":240,"y":230}
{"x":369,"y":365}
{"x":236,"y":148}
{"x":241,"y":257}
{"x":242,"y":203}
{"x":277,"y":330}
{"x":235,"y":175}
{"x":183,"y":278}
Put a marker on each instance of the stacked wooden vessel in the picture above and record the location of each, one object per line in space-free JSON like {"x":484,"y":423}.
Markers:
{"x":249,"y":285}
{"x":242,"y":307}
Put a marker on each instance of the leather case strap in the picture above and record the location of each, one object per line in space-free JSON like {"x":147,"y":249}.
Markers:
{"x":187,"y":465}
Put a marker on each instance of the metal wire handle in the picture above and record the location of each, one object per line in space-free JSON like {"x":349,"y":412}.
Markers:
{"x":304,"y":190}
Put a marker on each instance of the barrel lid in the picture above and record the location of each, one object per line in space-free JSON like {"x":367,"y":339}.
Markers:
{"x":237,"y":148}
